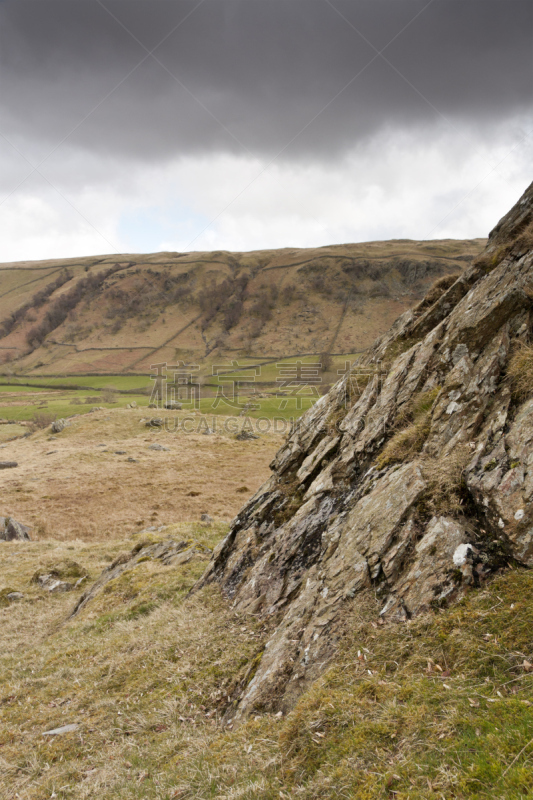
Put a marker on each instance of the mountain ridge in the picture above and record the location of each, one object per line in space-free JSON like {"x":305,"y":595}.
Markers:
{"x":114,"y":314}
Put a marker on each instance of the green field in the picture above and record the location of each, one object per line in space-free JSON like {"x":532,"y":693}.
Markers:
{"x":22,"y":397}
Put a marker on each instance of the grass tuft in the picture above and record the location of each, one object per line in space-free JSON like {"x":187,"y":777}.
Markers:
{"x":520,"y":372}
{"x":406,"y":443}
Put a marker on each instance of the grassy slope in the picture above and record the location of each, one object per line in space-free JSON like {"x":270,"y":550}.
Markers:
{"x":161,"y":307}
{"x":441,"y":707}
{"x":83,"y":484}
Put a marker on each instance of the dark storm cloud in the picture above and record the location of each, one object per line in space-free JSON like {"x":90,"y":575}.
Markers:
{"x":253,"y":73}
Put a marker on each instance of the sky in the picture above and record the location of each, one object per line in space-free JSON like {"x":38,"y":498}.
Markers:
{"x":184,"y":125}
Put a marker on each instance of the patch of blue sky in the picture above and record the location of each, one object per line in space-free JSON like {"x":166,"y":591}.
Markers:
{"x":152,"y":228}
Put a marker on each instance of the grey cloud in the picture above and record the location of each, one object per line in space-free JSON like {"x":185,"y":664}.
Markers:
{"x":263,"y":68}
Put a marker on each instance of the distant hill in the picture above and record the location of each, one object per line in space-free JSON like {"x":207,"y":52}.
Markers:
{"x":116,"y":314}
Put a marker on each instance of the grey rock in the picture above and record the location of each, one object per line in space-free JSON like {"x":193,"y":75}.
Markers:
{"x":8,"y":464}
{"x":244,"y":436}
{"x":53,"y":585}
{"x":158,"y":447}
{"x":61,"y":577}
{"x":206,"y":519}
{"x":120,"y":452}
{"x":155,"y":422}
{"x":131,"y":460}
{"x":174,"y":406}
{"x":59,"y":425}
{"x":14,"y":597}
{"x":11,"y":530}
{"x":344,"y":513}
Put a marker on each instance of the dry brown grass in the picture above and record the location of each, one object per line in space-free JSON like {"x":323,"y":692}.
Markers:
{"x":351,"y":304}
{"x":445,"y":481}
{"x":406,"y":443}
{"x":72,"y":488}
{"x":436,"y":291}
{"x":144,"y":672}
{"x":520,"y":372}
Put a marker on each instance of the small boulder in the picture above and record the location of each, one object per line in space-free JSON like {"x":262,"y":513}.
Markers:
{"x":8,"y":596}
{"x":11,"y":531}
{"x":174,"y":406}
{"x":206,"y":519}
{"x":59,"y":425}
{"x":62,"y":577}
{"x":155,"y":422}
{"x":8,"y":464}
{"x":158,"y":447}
{"x":133,"y":404}
{"x":243,"y":436}
{"x":120,"y":452}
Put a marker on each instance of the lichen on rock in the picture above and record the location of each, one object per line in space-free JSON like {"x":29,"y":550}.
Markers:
{"x":349,"y":508}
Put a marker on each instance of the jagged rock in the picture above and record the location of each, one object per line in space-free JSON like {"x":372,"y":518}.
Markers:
{"x":11,"y":530}
{"x":8,"y":464}
{"x":174,"y":406}
{"x":414,"y":485}
{"x":59,"y":425}
{"x":243,"y":436}
{"x":206,"y":519}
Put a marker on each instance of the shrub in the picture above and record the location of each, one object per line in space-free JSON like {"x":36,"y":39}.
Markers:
{"x":43,"y":420}
{"x":108,"y":395}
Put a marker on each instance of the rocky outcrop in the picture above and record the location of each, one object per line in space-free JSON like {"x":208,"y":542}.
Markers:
{"x":11,"y":530}
{"x":168,"y":552}
{"x":412,"y":478}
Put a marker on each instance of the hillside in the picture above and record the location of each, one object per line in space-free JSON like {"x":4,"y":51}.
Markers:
{"x":117,"y":314}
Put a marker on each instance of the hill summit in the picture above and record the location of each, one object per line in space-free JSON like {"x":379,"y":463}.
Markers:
{"x":411,"y":479}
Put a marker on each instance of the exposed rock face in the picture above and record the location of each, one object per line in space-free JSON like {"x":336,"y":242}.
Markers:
{"x":11,"y":530}
{"x":416,"y":483}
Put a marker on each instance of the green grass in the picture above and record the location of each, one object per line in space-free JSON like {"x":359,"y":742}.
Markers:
{"x":438,"y":707}
{"x":119,"y":382}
